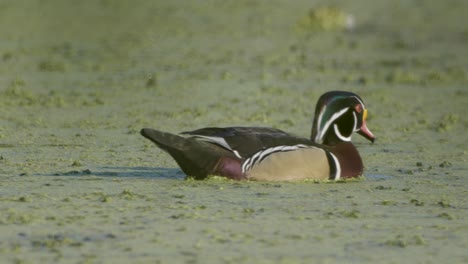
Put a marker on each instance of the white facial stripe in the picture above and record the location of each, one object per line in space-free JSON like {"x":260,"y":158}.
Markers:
{"x":355,"y":121}
{"x":319,"y":121}
{"x":321,"y":131}
{"x":361,"y":102}
{"x":338,"y":134}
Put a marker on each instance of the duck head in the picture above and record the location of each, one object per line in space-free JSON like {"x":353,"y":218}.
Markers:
{"x":337,"y":115}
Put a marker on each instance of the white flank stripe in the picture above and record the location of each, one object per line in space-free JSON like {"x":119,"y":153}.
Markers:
{"x":337,"y":166}
{"x":261,"y":155}
{"x":246,"y":165}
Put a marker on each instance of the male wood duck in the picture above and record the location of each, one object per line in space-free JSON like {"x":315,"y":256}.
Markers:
{"x":269,"y":154}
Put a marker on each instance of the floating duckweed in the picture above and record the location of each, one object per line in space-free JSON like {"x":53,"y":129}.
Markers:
{"x":419,"y":240}
{"x":179,"y":216}
{"x":226,"y":75}
{"x":13,"y":217}
{"x":447,"y":122}
{"x":54,"y":241}
{"x":403,"y":77}
{"x":444,"y":203}
{"x":76,"y":163}
{"x":381,"y":187}
{"x":7,"y":55}
{"x":350,"y":214}
{"x":417,"y":202}
{"x":445,"y":164}
{"x":21,"y":96}
{"x":127,"y":194}
{"x":248,"y":210}
{"x":24,"y":199}
{"x":18,"y":95}
{"x":105,"y":198}
{"x":51,"y":66}
{"x":326,"y":18}
{"x":288,"y":122}
{"x":401,"y":241}
{"x":387,"y":202}
{"x":217,"y":178}
{"x":152,"y":81}
{"x":446,"y":216}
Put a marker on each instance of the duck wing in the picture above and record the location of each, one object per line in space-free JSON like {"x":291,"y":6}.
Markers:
{"x":246,"y":141}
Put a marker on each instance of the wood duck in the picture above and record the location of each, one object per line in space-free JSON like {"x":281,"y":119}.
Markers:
{"x":269,"y":154}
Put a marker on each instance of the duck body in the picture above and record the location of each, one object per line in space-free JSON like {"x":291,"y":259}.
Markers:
{"x":269,"y":154}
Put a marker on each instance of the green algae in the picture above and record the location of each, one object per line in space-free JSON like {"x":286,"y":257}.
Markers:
{"x":78,"y":183}
{"x":326,"y":18}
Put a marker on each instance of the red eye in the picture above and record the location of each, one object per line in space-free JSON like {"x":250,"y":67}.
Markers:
{"x":358,"y":108}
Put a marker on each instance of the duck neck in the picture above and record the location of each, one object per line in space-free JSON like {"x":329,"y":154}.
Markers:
{"x":349,"y":159}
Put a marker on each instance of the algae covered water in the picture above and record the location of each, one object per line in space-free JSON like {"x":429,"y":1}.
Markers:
{"x":78,"y":80}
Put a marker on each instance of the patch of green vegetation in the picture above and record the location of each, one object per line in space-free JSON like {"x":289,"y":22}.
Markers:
{"x":76,"y":163}
{"x":181,"y":216}
{"x":403,"y":77}
{"x":445,"y":164}
{"x":351,"y":214}
{"x":53,"y":242}
{"x":347,"y":214}
{"x":200,"y":207}
{"x":248,"y":211}
{"x":51,"y":66}
{"x":92,"y":102}
{"x":381,"y":187}
{"x":346,"y":180}
{"x":7,"y":55}
{"x":388,"y":202}
{"x":17,"y":95}
{"x":127,"y":194}
{"x":359,"y":79}
{"x":416,"y":202}
{"x":446,"y":216}
{"x":287,"y":122}
{"x":215,"y":178}
{"x":152,"y":81}
{"x":24,"y":199}
{"x":448,"y":122}
{"x":402,"y":242}
{"x":14,"y":217}
{"x":444,"y":204}
{"x":105,"y":198}
{"x":325,"y":18}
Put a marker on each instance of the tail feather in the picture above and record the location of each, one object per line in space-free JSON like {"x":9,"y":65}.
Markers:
{"x":196,"y":158}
